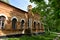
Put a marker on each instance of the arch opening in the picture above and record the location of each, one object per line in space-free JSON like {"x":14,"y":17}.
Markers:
{"x":14,"y":23}
{"x":2,"y":22}
{"x":38,"y":25}
{"x":22,"y":23}
{"x":34,"y":25}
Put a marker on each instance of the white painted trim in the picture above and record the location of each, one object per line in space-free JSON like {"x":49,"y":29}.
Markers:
{"x":4,"y":16}
{"x":38,"y":21}
{"x":6,"y":19}
{"x":22,"y":19}
{"x":34,"y":21}
{"x":14,"y":17}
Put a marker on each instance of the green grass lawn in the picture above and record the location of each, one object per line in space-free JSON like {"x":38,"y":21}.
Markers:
{"x":46,"y":36}
{"x":35,"y":37}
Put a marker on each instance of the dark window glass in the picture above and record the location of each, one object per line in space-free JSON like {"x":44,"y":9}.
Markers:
{"x":14,"y":21}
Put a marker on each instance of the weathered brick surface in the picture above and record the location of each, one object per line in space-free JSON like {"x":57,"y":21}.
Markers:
{"x":10,"y":12}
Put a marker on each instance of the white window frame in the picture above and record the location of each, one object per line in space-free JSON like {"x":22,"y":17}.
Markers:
{"x":21,"y":20}
{"x":2,"y":14}
{"x":23,"y":26}
{"x":14,"y":17}
{"x":4,"y":23}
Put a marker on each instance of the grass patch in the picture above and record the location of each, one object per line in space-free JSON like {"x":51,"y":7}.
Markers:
{"x":46,"y":36}
{"x":39,"y":37}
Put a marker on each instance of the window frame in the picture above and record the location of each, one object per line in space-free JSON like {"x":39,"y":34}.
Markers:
{"x":2,"y":24}
{"x":39,"y":26}
{"x":14,"y":17}
{"x":23,"y":23}
{"x":35,"y":24}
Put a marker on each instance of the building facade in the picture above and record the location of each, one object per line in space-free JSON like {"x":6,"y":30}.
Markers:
{"x":16,"y":21}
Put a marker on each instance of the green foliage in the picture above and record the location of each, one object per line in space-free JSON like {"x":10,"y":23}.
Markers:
{"x":50,"y":16}
{"x":46,"y":36}
{"x":50,"y":13}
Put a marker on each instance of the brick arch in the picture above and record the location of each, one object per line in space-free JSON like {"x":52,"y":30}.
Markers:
{"x":23,"y":31}
{"x":22,"y":19}
{"x":4,"y":16}
{"x":34,"y":24}
{"x":14,"y":17}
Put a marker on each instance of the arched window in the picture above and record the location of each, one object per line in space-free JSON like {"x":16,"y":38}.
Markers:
{"x":35,"y":25}
{"x":2,"y":20}
{"x":38,"y":25}
{"x":14,"y":23}
{"x":22,"y":24}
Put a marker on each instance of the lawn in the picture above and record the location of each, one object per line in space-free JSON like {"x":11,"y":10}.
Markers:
{"x":47,"y":36}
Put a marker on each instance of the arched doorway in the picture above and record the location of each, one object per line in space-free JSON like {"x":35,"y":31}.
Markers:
{"x":2,"y":22}
{"x":14,"y":23}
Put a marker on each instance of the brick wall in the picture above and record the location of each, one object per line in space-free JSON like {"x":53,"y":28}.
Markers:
{"x":10,"y":12}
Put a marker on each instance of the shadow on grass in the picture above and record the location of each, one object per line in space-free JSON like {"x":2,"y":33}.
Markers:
{"x":25,"y":37}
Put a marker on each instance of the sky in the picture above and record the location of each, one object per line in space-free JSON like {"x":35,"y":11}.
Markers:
{"x":22,"y":4}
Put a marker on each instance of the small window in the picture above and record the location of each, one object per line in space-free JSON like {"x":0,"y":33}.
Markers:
{"x":35,"y":25}
{"x":14,"y":23}
{"x":22,"y":23}
{"x":2,"y":21}
{"x":38,"y":25}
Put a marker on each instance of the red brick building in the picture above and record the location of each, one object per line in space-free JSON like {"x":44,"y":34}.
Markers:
{"x":16,"y":21}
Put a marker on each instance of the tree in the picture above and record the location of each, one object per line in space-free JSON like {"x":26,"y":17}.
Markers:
{"x":50,"y":13}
